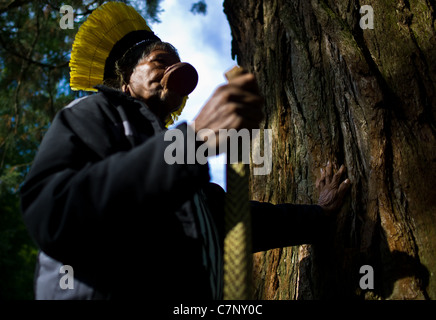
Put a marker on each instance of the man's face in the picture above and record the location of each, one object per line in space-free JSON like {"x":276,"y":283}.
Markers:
{"x":145,"y":83}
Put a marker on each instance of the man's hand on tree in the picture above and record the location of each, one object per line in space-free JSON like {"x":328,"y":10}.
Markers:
{"x":331,"y":190}
{"x":235,"y":105}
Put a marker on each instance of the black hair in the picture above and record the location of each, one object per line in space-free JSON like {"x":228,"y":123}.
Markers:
{"x":127,"y":63}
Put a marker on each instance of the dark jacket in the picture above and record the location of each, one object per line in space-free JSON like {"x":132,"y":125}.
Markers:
{"x":100,"y":198}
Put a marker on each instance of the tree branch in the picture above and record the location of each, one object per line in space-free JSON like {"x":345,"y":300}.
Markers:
{"x":24,"y":68}
{"x":28,"y":59}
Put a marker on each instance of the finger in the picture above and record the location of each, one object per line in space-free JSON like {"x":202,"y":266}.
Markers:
{"x":321,"y":181}
{"x":328,"y":176}
{"x":246,"y":81}
{"x":337,"y":176}
{"x":343,"y":188}
{"x":250,"y":102}
{"x":235,"y":121}
{"x":241,"y":117}
{"x":231,"y":93}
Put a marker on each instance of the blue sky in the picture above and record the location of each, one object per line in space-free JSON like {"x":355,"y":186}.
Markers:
{"x":205,"y":42}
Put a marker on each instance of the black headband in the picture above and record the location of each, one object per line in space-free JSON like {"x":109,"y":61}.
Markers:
{"x":130,"y":40}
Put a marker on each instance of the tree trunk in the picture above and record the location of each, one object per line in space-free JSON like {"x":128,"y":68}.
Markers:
{"x":363,"y":97}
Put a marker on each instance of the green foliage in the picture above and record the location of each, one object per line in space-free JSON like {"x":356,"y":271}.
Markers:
{"x":17,"y":252}
{"x":152,"y":10}
{"x":34,"y":54}
{"x":199,"y":7}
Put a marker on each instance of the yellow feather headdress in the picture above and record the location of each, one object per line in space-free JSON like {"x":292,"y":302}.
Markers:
{"x":109,"y":28}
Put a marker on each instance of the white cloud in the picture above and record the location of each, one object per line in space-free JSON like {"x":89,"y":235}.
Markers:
{"x":204,"y":42}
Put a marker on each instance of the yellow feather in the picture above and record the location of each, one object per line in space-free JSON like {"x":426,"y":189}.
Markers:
{"x":96,"y":38}
{"x":175,"y":115}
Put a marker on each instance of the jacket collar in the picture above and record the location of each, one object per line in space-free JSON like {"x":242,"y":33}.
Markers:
{"x":120,"y":98}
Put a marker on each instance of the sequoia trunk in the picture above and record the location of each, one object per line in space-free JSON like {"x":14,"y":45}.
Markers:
{"x":362,"y":97}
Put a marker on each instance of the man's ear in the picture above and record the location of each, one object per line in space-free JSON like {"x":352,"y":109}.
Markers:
{"x":126,"y":89}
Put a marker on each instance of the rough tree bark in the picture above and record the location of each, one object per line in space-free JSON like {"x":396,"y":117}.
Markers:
{"x":362,"y":97}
